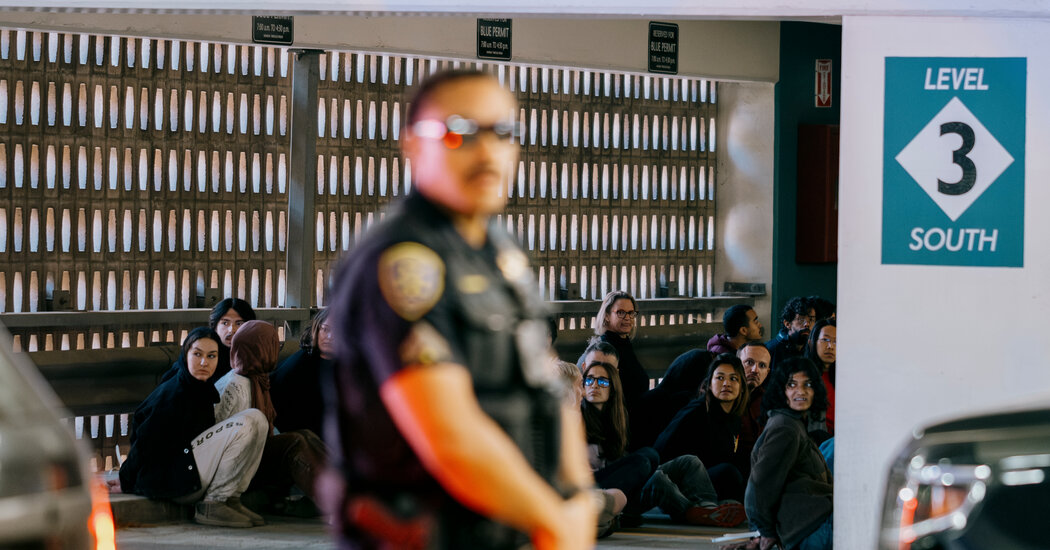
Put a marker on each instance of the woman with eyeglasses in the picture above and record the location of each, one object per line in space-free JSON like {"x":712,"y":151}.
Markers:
{"x":709,"y":427}
{"x":296,"y":385}
{"x":680,"y":487}
{"x":789,"y":493}
{"x":611,"y":501}
{"x":616,"y":323}
{"x":821,"y":350}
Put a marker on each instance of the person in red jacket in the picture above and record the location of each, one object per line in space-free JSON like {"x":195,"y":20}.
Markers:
{"x":821,"y":350}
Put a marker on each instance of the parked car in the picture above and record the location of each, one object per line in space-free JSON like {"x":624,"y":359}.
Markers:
{"x":981,"y":482}
{"x":46,"y":492}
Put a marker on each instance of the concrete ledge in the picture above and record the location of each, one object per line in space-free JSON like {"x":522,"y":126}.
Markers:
{"x":135,"y":511}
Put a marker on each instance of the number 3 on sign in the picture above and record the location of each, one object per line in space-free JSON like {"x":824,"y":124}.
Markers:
{"x":969,"y":170}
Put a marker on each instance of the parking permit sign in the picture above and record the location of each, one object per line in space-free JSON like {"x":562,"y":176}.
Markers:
{"x":953,"y":161}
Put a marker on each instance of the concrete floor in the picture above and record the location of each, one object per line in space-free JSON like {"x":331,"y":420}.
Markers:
{"x":301,"y":534}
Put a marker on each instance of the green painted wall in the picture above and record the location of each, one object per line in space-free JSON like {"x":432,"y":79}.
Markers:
{"x":801,"y":44}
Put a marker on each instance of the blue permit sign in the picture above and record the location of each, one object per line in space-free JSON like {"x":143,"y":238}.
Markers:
{"x":953,"y":161}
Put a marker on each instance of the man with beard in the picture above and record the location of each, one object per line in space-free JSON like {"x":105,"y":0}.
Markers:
{"x":797,"y":317}
{"x":755,"y":358}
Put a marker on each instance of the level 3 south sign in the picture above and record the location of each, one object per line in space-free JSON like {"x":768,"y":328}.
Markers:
{"x":953,"y":161}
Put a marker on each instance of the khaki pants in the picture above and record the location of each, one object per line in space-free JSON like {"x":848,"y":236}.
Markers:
{"x":228,"y":454}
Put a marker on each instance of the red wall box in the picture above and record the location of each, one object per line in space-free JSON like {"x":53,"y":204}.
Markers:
{"x":816,"y":225}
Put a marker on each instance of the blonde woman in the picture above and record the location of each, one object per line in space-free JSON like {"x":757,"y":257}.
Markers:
{"x":616,"y":323}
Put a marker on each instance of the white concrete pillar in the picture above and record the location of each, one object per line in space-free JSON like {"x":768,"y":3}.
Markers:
{"x":920,"y":343}
{"x":744,"y":189}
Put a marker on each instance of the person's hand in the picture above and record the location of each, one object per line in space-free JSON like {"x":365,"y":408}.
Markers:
{"x":767,"y":543}
{"x":113,"y":486}
{"x":749,"y":544}
{"x":754,"y":543}
{"x":575,"y":529}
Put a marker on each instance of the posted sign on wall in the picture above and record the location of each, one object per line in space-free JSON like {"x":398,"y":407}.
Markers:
{"x":953,"y":161}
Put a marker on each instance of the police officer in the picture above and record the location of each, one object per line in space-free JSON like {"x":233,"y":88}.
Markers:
{"x":450,"y":434}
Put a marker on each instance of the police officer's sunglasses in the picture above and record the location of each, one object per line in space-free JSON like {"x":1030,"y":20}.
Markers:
{"x":456,"y":131}
{"x":602,"y":381}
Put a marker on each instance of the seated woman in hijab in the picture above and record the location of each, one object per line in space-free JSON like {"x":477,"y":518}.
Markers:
{"x":292,"y":457}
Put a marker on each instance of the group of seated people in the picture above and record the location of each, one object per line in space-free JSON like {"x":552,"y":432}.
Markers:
{"x":741,"y":431}
{"x":729,"y":435}
{"x":230,"y":431}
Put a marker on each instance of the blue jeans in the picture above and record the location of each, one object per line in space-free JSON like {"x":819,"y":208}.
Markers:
{"x":820,"y":539}
{"x":827,"y":449}
{"x":678,"y":485}
{"x":729,"y":483}
{"x":629,"y":472}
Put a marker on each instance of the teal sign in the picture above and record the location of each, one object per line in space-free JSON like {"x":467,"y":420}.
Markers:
{"x":953,"y":161}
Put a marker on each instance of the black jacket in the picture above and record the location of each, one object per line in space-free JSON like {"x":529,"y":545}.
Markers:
{"x":160,"y":463}
{"x":633,"y":378}
{"x":655,"y":409}
{"x":711,"y":435}
{"x":476,"y":308}
{"x":789,"y":493}
{"x":295,"y":389}
{"x":783,"y":347}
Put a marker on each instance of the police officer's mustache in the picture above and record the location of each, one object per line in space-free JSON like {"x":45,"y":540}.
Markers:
{"x":486,"y":169}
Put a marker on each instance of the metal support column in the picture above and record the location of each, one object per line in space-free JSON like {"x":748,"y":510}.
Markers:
{"x":302,"y":181}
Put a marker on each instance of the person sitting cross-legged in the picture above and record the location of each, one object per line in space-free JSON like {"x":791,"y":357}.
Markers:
{"x":789,"y":493}
{"x":179,"y":451}
{"x":294,"y":457}
{"x":296,"y":386}
{"x":709,"y":427}
{"x":679,"y":487}
{"x":755,"y":358}
{"x":611,"y":502}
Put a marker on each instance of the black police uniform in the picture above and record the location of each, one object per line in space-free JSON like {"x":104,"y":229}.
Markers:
{"x":414,"y":292}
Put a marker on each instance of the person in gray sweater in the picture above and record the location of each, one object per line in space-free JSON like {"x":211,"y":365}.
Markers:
{"x":789,"y":494}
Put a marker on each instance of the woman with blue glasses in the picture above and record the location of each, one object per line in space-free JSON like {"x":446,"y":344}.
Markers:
{"x":681,"y":487}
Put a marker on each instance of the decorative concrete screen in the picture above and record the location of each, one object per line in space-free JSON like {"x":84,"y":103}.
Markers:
{"x":144,"y":174}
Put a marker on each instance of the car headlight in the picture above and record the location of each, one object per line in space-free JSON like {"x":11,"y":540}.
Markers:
{"x":932,"y":495}
{"x":982,"y":486}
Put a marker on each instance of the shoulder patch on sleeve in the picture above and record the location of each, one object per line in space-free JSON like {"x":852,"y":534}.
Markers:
{"x":411,"y":279}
